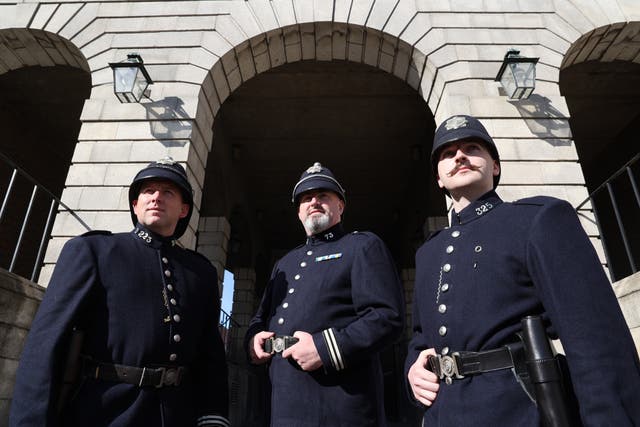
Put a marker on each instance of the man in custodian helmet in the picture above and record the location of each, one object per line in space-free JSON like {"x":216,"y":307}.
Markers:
{"x":138,"y":315}
{"x":331,"y":305}
{"x":493,"y":287}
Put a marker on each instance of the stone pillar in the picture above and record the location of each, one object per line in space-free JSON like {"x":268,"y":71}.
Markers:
{"x":213,"y":243}
{"x":19,"y":300}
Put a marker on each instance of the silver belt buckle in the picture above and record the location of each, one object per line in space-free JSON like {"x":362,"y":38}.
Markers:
{"x":278,"y":344}
{"x":170,"y":376}
{"x":449,"y":367}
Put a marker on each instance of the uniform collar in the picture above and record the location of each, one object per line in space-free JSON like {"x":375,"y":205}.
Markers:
{"x":476,"y":209}
{"x":150,"y":238}
{"x":329,"y":235}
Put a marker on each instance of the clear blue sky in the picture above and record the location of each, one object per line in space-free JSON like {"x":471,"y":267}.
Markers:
{"x":227,"y":291}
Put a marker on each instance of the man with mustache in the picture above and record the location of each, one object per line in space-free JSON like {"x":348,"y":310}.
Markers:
{"x":147,"y":311}
{"x":330,"y":307}
{"x":497,"y":263}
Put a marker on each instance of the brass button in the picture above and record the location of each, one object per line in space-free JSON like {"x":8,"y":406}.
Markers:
{"x":455,"y":233}
{"x":445,"y":287}
{"x":176,"y":318}
{"x":446,"y":268}
{"x":442,"y":330}
{"x":177,"y":338}
{"x":449,"y":249}
{"x":442,"y":308}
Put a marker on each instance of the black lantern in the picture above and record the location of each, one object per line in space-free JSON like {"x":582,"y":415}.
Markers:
{"x":130,"y":78}
{"x":517,"y":75}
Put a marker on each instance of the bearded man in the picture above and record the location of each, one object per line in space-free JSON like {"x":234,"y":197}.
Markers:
{"x":330,"y":307}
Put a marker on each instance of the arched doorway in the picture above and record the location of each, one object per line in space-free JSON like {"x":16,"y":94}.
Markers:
{"x":43,"y":93}
{"x":374,"y":132}
{"x":601,"y":83}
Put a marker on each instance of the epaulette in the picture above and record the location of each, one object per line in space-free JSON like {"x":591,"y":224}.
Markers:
{"x":97,"y":233}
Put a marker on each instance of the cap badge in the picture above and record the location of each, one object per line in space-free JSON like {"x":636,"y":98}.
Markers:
{"x":456,"y":122}
{"x":166,"y":161}
{"x":316,"y":168}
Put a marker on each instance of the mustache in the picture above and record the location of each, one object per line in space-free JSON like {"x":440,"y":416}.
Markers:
{"x":458,"y":167}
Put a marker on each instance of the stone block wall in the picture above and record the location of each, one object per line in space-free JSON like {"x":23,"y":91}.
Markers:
{"x":19,"y":300}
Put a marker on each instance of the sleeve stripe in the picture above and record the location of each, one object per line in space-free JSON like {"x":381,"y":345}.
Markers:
{"x":334,"y":350}
{"x":213,"y":420}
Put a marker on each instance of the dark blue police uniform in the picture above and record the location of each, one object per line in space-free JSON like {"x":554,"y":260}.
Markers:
{"x":344,"y":290}
{"x":497,"y":263}
{"x":143,"y":302}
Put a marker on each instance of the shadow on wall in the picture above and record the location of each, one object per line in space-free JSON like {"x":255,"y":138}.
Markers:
{"x":168,"y":120}
{"x":543,"y":119}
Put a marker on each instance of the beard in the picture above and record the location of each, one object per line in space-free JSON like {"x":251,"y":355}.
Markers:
{"x":316,"y":224}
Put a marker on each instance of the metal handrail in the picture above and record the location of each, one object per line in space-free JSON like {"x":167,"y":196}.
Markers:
{"x":55,"y":203}
{"x":229,"y":326}
{"x":608,"y":186}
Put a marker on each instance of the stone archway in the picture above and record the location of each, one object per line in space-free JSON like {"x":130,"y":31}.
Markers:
{"x":600,"y":79}
{"x":289,"y":98}
{"x":44,"y":81}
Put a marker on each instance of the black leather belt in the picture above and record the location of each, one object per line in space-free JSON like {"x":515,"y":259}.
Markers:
{"x":142,"y":377}
{"x":279,"y":343}
{"x":462,"y":363}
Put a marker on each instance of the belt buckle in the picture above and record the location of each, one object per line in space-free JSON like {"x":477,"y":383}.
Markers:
{"x":448,"y":367}
{"x":169,"y":376}
{"x":278,"y":344}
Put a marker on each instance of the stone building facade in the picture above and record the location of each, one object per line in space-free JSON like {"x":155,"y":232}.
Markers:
{"x":247,"y":94}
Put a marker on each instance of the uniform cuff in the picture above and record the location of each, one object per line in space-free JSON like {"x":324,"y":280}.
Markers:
{"x":213,"y":421}
{"x":335,"y":355}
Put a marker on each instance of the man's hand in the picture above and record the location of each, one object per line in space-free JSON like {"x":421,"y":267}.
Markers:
{"x":424,"y":383}
{"x":304,"y":352}
{"x":256,"y":348}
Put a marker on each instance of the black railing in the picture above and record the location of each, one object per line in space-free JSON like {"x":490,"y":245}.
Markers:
{"x":621,"y":231}
{"x":26,"y":218}
{"x":228,"y":329}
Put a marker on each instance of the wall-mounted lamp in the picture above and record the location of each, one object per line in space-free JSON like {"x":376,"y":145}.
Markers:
{"x":130,"y":78}
{"x":517,"y":75}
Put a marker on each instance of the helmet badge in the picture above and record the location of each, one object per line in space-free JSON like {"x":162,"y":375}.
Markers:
{"x":456,"y":122}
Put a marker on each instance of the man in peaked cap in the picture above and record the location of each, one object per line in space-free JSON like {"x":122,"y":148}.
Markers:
{"x":331,"y":305}
{"x":496,"y":264}
{"x":145,"y":315}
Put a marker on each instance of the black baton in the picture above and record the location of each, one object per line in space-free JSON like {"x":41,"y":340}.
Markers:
{"x":544,"y":373}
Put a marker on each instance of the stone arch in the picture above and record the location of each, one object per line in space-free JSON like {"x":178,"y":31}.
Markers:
{"x":25,"y":47}
{"x":240,"y":60}
{"x":322,"y":41}
{"x":292,"y":45}
{"x":600,"y":79}
{"x":44,"y":81}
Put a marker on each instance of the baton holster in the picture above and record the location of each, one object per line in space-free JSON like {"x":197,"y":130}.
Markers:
{"x":545,"y":377}
{"x":71,"y":373}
